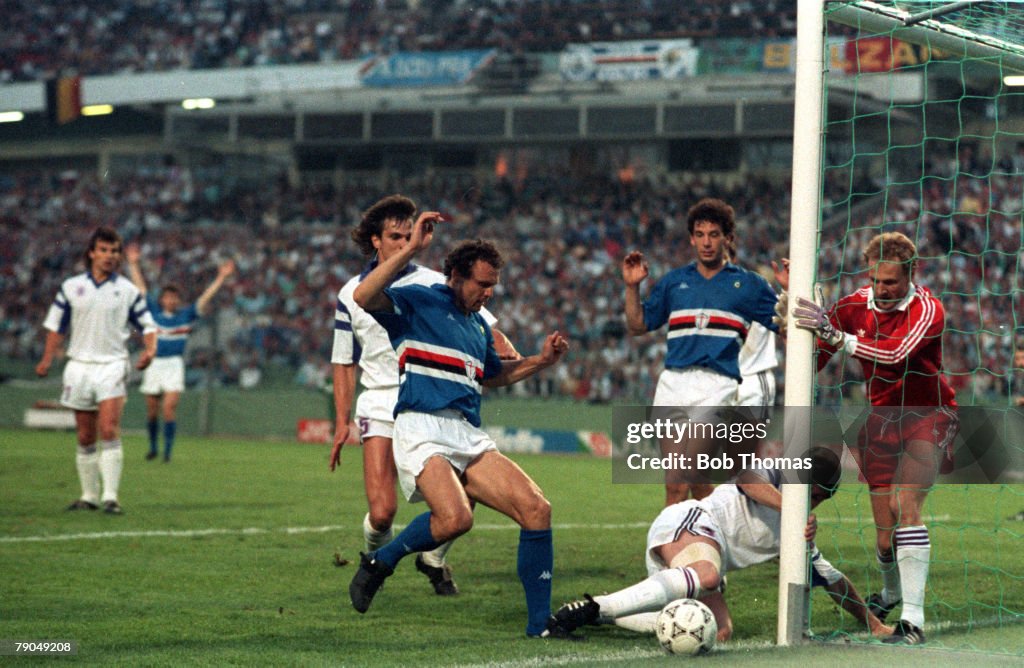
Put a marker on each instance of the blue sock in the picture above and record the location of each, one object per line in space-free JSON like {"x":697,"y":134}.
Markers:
{"x":535,"y":566}
{"x":414,"y":538}
{"x":152,"y":427}
{"x":169,"y":429}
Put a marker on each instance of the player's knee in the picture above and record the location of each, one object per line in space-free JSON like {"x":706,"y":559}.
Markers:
{"x":451,"y":524}
{"x":382,"y":516}
{"x":536,"y":513}
{"x":709,"y":576}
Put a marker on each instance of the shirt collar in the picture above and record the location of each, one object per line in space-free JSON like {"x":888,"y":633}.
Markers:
{"x":901,"y":306}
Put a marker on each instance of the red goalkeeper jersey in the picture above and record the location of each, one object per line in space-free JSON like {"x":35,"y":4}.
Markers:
{"x":900,"y":351}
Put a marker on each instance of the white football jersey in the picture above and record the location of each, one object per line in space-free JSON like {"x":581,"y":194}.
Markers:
{"x":98,"y":316}
{"x":360,"y":339}
{"x":750,"y":530}
{"x":758,"y":351}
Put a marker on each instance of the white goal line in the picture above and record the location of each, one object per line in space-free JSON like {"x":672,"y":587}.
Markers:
{"x":260,"y":531}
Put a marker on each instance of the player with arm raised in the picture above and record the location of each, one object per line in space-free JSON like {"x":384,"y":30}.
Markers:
{"x":691,"y":546}
{"x":894,"y":327}
{"x":708,"y":306}
{"x":94,"y":310}
{"x":164,"y":379}
{"x":361,"y":346}
{"x":446,"y":355}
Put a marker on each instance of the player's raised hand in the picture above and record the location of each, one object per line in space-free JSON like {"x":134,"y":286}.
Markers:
{"x":132,"y":253}
{"x":555,"y":346}
{"x":781,"y":271}
{"x":634,"y":268}
{"x":226,"y":268}
{"x":423,"y":230}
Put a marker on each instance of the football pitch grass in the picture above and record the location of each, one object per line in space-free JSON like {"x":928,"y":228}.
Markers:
{"x":227,"y":556}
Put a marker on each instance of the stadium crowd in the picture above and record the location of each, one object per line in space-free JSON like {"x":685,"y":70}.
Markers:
{"x":40,"y":39}
{"x":564,"y":238}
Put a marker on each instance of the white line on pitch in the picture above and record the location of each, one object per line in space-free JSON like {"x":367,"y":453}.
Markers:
{"x":257,"y":531}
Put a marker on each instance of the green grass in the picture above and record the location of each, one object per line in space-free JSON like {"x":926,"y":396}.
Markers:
{"x":249,"y":578}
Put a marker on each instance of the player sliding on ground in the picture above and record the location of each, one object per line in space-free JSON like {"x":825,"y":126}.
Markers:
{"x":692,"y":545}
{"x":446,"y":354}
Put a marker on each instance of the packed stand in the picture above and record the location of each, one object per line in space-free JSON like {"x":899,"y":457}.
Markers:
{"x":563,"y":239}
{"x":41,"y":39}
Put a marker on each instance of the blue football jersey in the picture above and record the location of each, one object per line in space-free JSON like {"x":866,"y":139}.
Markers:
{"x":708,"y":319}
{"x":443,"y":353}
{"x":172,"y":329}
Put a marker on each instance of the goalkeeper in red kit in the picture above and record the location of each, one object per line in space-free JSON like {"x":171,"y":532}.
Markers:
{"x":894,"y":327}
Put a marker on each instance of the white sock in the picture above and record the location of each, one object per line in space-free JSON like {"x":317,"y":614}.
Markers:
{"x":652,"y":594}
{"x":913,"y":554}
{"x":375,"y":539}
{"x":891,"y":590}
{"x":642,"y":622}
{"x":437,"y":556}
{"x":111,"y":462}
{"x":87,"y":460}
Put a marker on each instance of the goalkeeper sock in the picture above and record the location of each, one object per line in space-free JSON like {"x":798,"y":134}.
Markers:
{"x":437,"y":557}
{"x":891,"y":591}
{"x":375,"y":539}
{"x":913,"y":554}
{"x":535,"y":565}
{"x":152,"y":428}
{"x":652,"y":594}
{"x":414,"y":538}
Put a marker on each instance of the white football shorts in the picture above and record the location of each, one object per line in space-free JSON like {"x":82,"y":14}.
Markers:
{"x":669,"y":525}
{"x":86,"y":384}
{"x":695,"y":386}
{"x":757,"y":390}
{"x":375,"y":413}
{"x":164,"y":374}
{"x":420,"y":436}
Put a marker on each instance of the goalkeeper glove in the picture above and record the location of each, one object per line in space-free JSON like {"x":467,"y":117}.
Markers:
{"x":812,"y":316}
{"x":781,"y":306}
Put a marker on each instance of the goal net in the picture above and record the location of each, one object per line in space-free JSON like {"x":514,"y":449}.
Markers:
{"x":923,"y":133}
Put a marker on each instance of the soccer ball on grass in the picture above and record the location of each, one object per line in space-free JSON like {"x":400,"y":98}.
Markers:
{"x":686,"y":627}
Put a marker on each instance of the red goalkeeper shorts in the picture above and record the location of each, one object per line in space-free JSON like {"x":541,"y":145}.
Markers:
{"x":882,"y":442}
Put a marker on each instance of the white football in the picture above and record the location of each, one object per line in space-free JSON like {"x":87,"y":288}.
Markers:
{"x":686,"y":627}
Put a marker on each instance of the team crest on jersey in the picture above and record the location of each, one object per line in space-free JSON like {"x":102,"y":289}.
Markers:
{"x":702,"y":320}
{"x":471,"y":369}
{"x":736,"y":284}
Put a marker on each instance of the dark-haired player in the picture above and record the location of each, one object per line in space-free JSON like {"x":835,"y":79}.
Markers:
{"x":164,"y":379}
{"x":360,"y":342}
{"x":708,"y":306}
{"x":96,"y":310}
{"x":446,"y":355}
{"x":691,"y":545}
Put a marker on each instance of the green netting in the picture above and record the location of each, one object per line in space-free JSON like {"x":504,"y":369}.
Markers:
{"x":924,"y":136}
